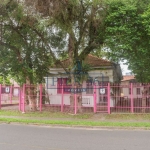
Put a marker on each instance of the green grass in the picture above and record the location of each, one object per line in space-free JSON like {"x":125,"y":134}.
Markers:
{"x":78,"y":116}
{"x":135,"y":117}
{"x":58,"y":118}
{"x":78,"y":123}
{"x":45,"y":114}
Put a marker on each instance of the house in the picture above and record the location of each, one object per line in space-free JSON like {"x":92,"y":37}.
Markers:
{"x":126,"y":87}
{"x":134,"y":96}
{"x":102,"y":72}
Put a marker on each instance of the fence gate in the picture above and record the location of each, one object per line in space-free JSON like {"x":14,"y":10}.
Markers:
{"x":101,"y":98}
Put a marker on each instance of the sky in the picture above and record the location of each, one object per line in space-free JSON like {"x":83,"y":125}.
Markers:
{"x":124,"y":68}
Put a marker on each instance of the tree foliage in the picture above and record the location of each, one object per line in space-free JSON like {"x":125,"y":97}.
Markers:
{"x":23,"y":54}
{"x":80,"y":21}
{"x":127,"y":35}
{"x":5,"y":80}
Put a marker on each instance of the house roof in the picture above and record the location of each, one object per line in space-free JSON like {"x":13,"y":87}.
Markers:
{"x":93,"y":61}
{"x":128,"y":78}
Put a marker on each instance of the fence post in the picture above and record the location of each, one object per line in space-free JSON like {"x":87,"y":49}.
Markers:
{"x":75,"y":101}
{"x":108,"y":97}
{"x":0,"y":95}
{"x":11,"y":94}
{"x":40,"y":97}
{"x":62,"y":98}
{"x":131,"y":87}
{"x":94,"y":98}
{"x":20,"y":99}
{"x":23,"y":99}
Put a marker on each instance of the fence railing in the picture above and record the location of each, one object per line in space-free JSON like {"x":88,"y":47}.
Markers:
{"x":9,"y":95}
{"x":106,"y":98}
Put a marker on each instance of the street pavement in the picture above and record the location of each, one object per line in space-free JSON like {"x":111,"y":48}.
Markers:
{"x":32,"y":137}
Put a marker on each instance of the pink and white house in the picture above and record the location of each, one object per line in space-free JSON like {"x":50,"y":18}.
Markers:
{"x":102,"y":72}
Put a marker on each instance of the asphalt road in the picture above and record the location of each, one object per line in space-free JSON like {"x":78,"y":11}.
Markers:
{"x":26,"y":137}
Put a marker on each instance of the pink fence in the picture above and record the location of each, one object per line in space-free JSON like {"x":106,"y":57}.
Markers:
{"x":9,"y":96}
{"x":65,"y":98}
{"x":133,"y":98}
{"x":103,"y":98}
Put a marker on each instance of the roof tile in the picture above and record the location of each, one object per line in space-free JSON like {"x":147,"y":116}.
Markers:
{"x":93,"y":61}
{"x":128,"y":77}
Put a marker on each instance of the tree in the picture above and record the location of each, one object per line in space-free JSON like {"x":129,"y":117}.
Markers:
{"x":5,"y":80}
{"x":81,"y":22}
{"x":23,"y":55}
{"x":82,"y":25}
{"x":127,"y":35}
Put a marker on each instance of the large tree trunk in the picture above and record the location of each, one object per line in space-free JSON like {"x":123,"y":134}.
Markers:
{"x":79,"y":99}
{"x":32,"y":98}
{"x":31,"y":91}
{"x":72,"y":100}
{"x":72,"y":56}
{"x":71,"y":48}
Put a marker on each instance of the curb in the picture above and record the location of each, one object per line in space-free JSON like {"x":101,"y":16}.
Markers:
{"x":78,"y":126}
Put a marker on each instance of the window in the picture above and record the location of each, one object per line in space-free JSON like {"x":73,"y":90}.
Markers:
{"x":138,"y":91}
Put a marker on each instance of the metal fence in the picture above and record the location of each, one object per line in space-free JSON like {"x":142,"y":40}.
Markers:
{"x":102,"y":98}
{"x":9,"y":96}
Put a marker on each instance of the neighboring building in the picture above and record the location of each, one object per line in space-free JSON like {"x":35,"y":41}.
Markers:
{"x":103,"y":71}
{"x":128,"y":79}
{"x":126,"y":87}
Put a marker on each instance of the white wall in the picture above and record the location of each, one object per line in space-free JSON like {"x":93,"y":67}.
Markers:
{"x":51,"y":87}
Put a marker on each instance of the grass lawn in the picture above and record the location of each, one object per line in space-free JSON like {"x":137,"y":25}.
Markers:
{"x":45,"y":114}
{"x":88,"y":120}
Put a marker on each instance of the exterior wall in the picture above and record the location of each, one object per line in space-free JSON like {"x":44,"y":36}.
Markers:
{"x":87,"y":99}
{"x":55,"y":98}
{"x":125,"y":90}
{"x":102,"y":73}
